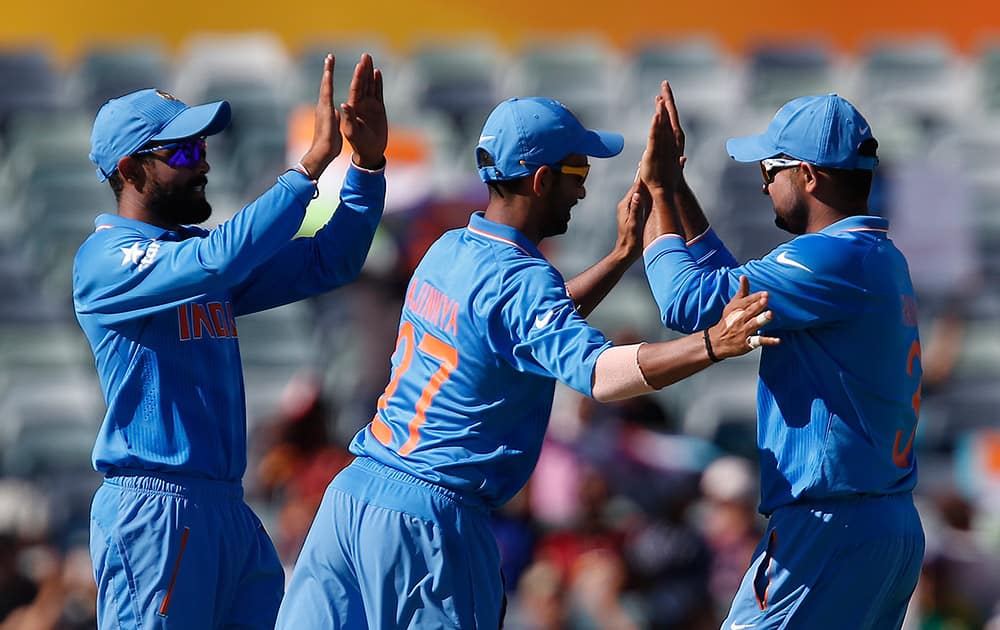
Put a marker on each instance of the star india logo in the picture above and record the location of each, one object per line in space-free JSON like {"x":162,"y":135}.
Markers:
{"x":136,"y":255}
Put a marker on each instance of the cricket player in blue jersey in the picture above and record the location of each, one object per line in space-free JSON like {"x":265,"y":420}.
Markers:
{"x":838,"y":400}
{"x":401,"y":539}
{"x":172,"y":542}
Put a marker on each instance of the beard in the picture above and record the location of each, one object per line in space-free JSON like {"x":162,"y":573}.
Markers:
{"x":795,"y":222}
{"x":557,"y":226}
{"x":180,"y":205}
{"x":560,"y":213}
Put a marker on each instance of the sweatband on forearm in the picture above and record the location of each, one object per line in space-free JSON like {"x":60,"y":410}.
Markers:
{"x":617,"y":374}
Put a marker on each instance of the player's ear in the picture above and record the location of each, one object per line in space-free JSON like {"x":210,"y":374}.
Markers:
{"x":131,"y":170}
{"x":541,"y":181}
{"x":810,"y":176}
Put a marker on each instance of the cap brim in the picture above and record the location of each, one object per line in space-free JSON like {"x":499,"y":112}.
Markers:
{"x":201,"y":120}
{"x":601,"y":144}
{"x":751,"y":148}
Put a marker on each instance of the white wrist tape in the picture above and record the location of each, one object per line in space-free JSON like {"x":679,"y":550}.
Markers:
{"x":617,"y":374}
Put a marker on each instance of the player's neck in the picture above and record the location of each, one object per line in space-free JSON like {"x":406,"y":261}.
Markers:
{"x":516,"y":211}
{"x":825,"y":216}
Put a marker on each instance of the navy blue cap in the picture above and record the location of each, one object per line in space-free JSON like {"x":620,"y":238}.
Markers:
{"x":523,"y":134}
{"x":125,"y":124}
{"x":821,"y":130}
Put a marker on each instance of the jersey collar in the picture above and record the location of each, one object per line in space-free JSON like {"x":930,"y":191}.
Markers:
{"x":481,"y":226}
{"x":861,"y":223}
{"x":105,"y":221}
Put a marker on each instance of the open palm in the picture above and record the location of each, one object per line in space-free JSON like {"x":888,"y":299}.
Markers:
{"x":364,"y":121}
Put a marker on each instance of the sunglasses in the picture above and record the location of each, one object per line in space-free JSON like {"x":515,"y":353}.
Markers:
{"x":770,"y":167}
{"x":567,"y":169}
{"x":183,"y":154}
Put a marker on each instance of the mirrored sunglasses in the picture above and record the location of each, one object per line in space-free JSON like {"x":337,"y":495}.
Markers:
{"x":770,"y":167}
{"x":183,"y":154}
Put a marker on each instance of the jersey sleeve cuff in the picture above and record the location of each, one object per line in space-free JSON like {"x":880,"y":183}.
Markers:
{"x":376,"y":171}
{"x":663,"y":243}
{"x":303,"y":187}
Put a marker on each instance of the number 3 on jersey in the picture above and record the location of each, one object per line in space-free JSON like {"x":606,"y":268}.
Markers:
{"x":430,"y":345}
{"x":902,"y":458}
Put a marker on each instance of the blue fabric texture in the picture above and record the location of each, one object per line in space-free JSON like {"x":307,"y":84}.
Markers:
{"x":388,"y":550}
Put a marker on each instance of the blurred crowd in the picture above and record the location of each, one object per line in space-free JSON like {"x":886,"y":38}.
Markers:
{"x":640,"y":514}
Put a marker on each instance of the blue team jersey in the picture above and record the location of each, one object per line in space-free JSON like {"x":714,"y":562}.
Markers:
{"x":838,"y":399}
{"x":486,"y":330}
{"x":159,"y":309}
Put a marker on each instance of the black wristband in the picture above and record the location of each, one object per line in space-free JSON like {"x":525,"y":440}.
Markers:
{"x":708,"y":347}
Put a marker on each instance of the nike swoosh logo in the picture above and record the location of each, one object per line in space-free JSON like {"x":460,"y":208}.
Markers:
{"x":741,"y":626}
{"x":863,"y":130}
{"x":543,"y":320}
{"x":785,"y":260}
{"x":485,"y":138}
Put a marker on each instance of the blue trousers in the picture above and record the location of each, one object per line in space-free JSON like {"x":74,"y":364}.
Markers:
{"x":388,"y":550}
{"x":172,"y":552}
{"x":839,"y":563}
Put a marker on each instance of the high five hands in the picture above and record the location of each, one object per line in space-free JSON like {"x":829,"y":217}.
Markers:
{"x":363,"y":121}
{"x":663,"y":160}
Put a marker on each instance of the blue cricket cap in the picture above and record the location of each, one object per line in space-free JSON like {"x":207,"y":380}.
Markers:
{"x":821,"y":130}
{"x":523,"y":134}
{"x":124,"y":124}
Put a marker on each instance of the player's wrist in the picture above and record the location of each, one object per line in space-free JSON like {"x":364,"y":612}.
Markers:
{"x":710,"y":348}
{"x":369,"y":163}
{"x":302,"y":168}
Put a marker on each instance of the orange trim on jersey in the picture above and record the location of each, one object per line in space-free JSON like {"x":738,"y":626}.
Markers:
{"x":173,"y":579}
{"x":497,"y":238}
{"x":769,"y":557}
{"x":660,"y":238}
{"x":865,"y":229}
{"x":697,"y":238}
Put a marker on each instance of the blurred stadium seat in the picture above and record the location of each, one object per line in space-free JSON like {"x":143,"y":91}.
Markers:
{"x":779,"y":72}
{"x":30,"y":82}
{"x":459,"y":80}
{"x":913,"y":76}
{"x":347,"y":51}
{"x":581,"y":72}
{"x":106,"y":72}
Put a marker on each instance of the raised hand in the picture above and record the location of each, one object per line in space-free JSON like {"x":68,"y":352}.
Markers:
{"x":632,"y":212}
{"x":364,"y":122}
{"x":736,"y":332}
{"x":663,"y":160}
{"x":327,"y":141}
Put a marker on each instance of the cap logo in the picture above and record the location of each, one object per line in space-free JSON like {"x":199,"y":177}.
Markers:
{"x":167,"y":96}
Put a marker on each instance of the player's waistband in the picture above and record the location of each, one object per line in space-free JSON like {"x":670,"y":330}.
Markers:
{"x":402,"y":491}
{"x":863,"y":506}
{"x":176,"y":485}
{"x":856,"y":498}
